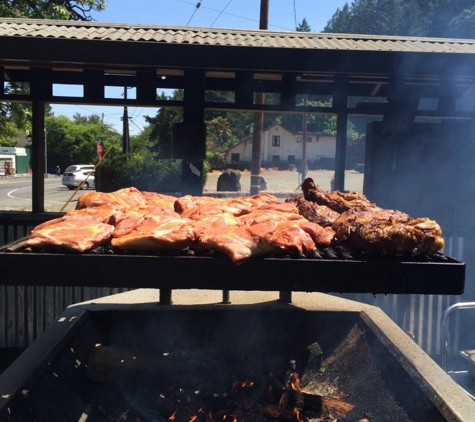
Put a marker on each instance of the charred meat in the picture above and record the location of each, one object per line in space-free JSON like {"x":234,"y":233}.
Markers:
{"x":337,"y":201}
{"x":382,"y":232}
{"x":320,"y":214}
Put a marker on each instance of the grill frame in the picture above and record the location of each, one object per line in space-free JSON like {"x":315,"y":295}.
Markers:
{"x":334,"y":272}
{"x":437,"y":386}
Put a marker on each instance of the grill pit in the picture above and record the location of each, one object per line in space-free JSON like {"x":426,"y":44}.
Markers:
{"x":366,"y":359}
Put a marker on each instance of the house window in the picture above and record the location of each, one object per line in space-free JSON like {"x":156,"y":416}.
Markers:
{"x":309,"y":139}
{"x":235,"y":157}
{"x":276,"y":141}
{"x":276,"y":158}
{"x":299,"y":139}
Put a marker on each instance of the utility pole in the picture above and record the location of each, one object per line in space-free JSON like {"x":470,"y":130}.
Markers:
{"x":304,"y":141}
{"x":125,"y":129}
{"x":258,"y":117}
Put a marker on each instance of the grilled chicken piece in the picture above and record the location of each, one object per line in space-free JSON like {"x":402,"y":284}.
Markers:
{"x":154,"y":234}
{"x":320,"y":214}
{"x":77,"y":233}
{"x":110,"y":214}
{"x":159,"y":199}
{"x":259,"y":233}
{"x":382,"y":232}
{"x":337,"y":201}
{"x":187,"y":203}
{"x":126,"y":197}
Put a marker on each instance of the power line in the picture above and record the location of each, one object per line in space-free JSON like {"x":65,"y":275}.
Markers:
{"x":194,"y":11}
{"x":222,"y":11}
{"x":295,"y":15}
{"x":238,"y":16}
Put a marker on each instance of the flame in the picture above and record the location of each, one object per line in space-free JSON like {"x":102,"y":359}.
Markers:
{"x":298,"y":416}
{"x":172,"y":416}
{"x":295,"y":382}
{"x":193,"y":418}
{"x":241,"y":384}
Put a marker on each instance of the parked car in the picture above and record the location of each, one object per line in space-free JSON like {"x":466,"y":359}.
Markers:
{"x":74,"y":175}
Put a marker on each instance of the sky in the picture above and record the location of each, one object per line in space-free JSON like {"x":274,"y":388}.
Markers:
{"x":284,"y":15}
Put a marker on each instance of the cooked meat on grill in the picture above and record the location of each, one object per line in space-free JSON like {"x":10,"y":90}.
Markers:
{"x":225,"y":234}
{"x":320,"y":214}
{"x":75,"y":232}
{"x":199,"y":207}
{"x":134,"y":216}
{"x":126,"y":197}
{"x":158,"y":199}
{"x":110,"y":214}
{"x":259,"y":233}
{"x":156,"y":234}
{"x":258,"y":225}
{"x":382,"y":232}
{"x":188,"y":202}
{"x":337,"y":201}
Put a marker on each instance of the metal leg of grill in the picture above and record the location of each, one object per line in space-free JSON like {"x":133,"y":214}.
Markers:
{"x":285,"y":297}
{"x":165,"y":296}
{"x":226,"y":299}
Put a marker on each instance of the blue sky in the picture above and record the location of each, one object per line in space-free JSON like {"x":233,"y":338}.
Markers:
{"x":284,"y":15}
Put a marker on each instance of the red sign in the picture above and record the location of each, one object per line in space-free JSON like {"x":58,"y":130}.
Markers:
{"x":100,"y":149}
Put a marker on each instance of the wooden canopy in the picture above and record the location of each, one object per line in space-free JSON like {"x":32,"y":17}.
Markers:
{"x":362,"y":75}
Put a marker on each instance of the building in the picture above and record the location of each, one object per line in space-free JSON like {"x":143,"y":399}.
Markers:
{"x":12,"y":160}
{"x":280,"y":146}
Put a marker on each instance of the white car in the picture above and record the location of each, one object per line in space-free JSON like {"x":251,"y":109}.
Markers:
{"x":74,"y":175}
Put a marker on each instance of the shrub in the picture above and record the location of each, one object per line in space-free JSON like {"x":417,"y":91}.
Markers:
{"x":143,"y":173}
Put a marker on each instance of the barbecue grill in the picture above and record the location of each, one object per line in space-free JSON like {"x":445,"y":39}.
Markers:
{"x":362,"y":350}
{"x":369,"y":363}
{"x":331,"y":270}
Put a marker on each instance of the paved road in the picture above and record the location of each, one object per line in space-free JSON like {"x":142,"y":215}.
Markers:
{"x":16,"y":192}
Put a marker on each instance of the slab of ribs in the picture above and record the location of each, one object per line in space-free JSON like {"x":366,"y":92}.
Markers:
{"x":241,"y":228}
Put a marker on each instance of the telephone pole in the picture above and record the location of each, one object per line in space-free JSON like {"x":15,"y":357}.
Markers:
{"x":125,"y":129}
{"x":258,"y":117}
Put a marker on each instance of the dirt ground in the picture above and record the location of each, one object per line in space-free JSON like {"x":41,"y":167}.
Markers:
{"x":289,"y":181}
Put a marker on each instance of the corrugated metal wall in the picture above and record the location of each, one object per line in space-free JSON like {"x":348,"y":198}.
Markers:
{"x":420,"y":315}
{"x":25,"y":311}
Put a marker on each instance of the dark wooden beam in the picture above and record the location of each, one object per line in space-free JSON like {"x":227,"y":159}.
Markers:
{"x":244,"y":92}
{"x":146,"y":85}
{"x":38,"y":156}
{"x":193,"y":118}
{"x":340,"y":100}
{"x":94,"y":84}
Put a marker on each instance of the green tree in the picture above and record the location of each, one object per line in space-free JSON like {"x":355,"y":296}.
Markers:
{"x":429,"y":18}
{"x":75,"y":141}
{"x":463,"y":25}
{"x":303,"y":26}
{"x":217,"y":132}
{"x":340,"y":21}
{"x":161,"y":135}
{"x":78,"y":10}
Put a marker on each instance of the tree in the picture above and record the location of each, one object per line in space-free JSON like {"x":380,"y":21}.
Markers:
{"x":303,"y":26}
{"x":161,"y":136}
{"x":217,"y":132}
{"x":78,"y":10}
{"x":429,"y":18}
{"x":340,"y":21}
{"x":75,"y":141}
{"x":463,"y":25}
